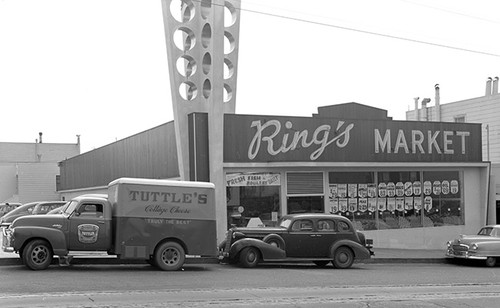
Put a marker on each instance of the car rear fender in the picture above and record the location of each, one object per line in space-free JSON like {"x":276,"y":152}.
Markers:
{"x":267,"y":251}
{"x":360,"y":252}
{"x":55,"y":237}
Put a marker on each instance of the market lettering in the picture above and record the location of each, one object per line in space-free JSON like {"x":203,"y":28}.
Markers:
{"x":269,"y":131}
{"x":418,"y":142}
{"x":153,"y":196}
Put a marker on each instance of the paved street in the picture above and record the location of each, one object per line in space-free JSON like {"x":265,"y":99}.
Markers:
{"x":373,"y":285}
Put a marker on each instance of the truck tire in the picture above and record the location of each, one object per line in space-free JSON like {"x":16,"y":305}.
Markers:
{"x":169,"y":256}
{"x":37,"y":255}
{"x":249,"y":257}
{"x":343,"y":257}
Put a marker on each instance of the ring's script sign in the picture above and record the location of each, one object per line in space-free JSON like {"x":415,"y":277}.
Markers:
{"x":250,"y":138}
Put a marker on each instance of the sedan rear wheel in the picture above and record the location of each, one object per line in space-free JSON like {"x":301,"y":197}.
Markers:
{"x":343,"y":257}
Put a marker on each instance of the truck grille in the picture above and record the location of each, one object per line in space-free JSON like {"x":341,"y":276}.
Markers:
{"x":229,"y":239}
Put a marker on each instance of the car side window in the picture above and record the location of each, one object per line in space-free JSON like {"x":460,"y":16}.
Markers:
{"x":343,"y":226}
{"x":302,"y":225}
{"x":325,"y":225}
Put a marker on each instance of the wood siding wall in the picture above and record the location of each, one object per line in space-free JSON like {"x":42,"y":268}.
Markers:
{"x":149,"y":154}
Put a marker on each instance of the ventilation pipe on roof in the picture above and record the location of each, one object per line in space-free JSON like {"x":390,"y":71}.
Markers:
{"x":40,"y":134}
{"x":437,"y":102}
{"x":416,"y":109}
{"x":424,"y":109}
{"x":488,"y":87}
{"x":495,"y":86}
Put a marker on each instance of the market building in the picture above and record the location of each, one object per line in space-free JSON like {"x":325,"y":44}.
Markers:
{"x":405,"y":184}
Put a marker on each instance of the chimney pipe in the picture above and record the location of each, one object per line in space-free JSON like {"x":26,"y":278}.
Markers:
{"x":40,"y":134}
{"x":437,"y":101}
{"x":488,"y":87}
{"x":495,"y":86}
{"x":417,"y":117}
{"x":424,"y":109}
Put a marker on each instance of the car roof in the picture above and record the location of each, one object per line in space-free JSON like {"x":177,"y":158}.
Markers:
{"x":316,"y":215}
{"x":24,"y":207}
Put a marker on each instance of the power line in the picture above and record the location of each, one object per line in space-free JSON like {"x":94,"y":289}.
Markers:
{"x":401,"y":38}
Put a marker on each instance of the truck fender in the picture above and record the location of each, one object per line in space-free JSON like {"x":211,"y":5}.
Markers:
{"x":267,"y":251}
{"x":55,"y":237}
{"x":360,"y":251}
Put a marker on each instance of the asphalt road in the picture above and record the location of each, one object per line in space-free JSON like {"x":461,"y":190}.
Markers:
{"x":214,"y":285}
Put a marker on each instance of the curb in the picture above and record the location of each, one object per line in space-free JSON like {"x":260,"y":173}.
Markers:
{"x":114,"y":261}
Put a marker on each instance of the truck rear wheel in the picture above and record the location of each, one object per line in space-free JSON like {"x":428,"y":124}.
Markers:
{"x":169,"y":256}
{"x":37,"y":255}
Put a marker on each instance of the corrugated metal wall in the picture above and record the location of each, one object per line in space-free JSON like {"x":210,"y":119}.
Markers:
{"x":149,"y":154}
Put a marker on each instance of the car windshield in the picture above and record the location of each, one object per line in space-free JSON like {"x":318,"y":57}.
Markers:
{"x":284,"y":222}
{"x":488,"y":231}
{"x":70,"y":207}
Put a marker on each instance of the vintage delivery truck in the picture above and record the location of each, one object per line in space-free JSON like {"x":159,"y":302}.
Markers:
{"x":159,"y":221}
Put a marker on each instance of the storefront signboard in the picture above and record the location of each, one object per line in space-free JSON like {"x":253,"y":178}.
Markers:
{"x":253,"y":138}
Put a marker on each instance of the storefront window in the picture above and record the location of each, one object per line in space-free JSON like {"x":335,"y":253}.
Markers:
{"x":442,"y":203}
{"x":395,"y":200}
{"x":353,"y":194}
{"x":252,"y":199}
{"x":400,"y":200}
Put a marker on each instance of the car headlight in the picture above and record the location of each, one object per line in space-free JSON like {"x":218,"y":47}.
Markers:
{"x":473,"y":247}
{"x":448,"y":244}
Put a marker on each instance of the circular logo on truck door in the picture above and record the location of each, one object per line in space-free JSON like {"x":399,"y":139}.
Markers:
{"x":87,"y":233}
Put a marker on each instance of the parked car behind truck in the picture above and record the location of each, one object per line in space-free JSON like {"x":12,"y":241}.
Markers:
{"x":318,"y":238}
{"x":155,"y":220}
{"x":31,"y":208}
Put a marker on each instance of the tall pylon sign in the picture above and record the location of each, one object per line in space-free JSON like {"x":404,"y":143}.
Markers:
{"x":202,"y":45}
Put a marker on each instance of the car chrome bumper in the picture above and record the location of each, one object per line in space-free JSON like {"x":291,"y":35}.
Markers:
{"x":464,"y":255}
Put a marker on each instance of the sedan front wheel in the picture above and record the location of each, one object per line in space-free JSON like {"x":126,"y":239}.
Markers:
{"x":249,"y":257}
{"x":491,"y":261}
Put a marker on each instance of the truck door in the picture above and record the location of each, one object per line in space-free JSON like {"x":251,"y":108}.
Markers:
{"x":89,"y":230}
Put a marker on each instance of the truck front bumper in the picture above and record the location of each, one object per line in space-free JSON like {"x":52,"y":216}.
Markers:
{"x":7,"y":244}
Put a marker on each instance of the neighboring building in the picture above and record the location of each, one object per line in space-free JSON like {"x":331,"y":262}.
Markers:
{"x":485,"y":110}
{"x":348,"y":159}
{"x":149,"y":154}
{"x":29,"y":171}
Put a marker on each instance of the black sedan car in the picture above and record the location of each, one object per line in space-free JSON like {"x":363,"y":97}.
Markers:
{"x":320,"y":238}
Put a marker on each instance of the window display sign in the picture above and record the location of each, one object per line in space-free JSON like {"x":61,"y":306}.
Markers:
{"x":253,"y":179}
{"x":391,"y":189}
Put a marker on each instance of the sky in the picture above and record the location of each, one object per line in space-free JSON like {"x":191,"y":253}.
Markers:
{"x":99,"y":68}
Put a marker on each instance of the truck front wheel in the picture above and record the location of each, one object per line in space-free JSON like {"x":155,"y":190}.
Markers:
{"x":37,"y":255}
{"x":169,"y":256}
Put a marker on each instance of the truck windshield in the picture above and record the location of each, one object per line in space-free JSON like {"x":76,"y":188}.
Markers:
{"x":70,"y":207}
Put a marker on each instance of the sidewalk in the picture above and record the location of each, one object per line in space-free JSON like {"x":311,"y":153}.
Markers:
{"x":382,"y":255}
